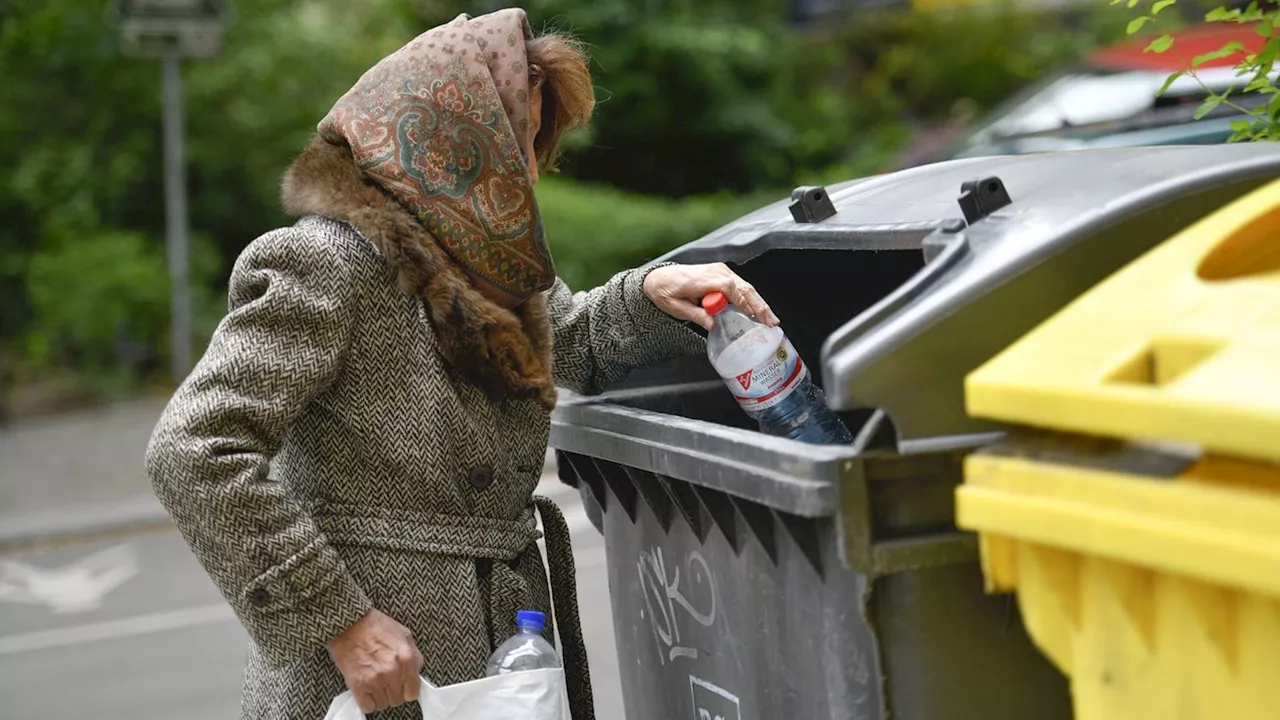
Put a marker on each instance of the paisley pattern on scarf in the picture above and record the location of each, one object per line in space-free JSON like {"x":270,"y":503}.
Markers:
{"x":432,"y":124}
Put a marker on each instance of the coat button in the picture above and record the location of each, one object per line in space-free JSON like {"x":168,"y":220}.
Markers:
{"x":259,"y":597}
{"x":481,"y":477}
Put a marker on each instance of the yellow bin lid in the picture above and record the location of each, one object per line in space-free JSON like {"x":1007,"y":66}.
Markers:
{"x":1181,"y":345}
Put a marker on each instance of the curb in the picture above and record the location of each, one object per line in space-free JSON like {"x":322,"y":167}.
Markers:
{"x":140,"y":514}
{"x":79,"y":525}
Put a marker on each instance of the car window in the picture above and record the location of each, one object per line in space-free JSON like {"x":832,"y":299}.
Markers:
{"x":1086,"y":103}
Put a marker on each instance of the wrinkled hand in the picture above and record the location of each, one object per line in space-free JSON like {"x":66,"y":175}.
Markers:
{"x":678,"y":291}
{"x":379,"y":661}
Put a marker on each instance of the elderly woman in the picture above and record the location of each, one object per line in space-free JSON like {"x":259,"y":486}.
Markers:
{"x":396,"y":353}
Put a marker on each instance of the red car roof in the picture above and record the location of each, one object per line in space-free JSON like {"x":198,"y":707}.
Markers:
{"x":1187,"y":44}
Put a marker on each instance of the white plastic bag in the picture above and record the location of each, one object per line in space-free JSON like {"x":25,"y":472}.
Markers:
{"x":526,"y":695}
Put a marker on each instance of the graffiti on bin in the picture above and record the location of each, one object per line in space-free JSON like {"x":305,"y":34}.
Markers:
{"x":713,"y":703}
{"x":862,"y":676}
{"x":663,"y":594}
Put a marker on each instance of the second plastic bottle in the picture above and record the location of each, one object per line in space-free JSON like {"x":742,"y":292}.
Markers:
{"x":526,"y":650}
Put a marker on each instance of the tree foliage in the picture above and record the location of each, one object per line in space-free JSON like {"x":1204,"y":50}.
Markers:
{"x":1255,"y":69}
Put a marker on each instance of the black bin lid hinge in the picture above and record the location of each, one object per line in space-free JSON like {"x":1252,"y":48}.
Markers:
{"x":980,"y":198}
{"x":811,"y":204}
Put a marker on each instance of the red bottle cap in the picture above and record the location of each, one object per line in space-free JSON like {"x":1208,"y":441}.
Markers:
{"x":715,"y":303}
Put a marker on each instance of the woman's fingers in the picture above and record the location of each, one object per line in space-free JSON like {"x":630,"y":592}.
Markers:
{"x":367,"y":702}
{"x":694,"y":314}
{"x":410,"y":667}
{"x":382,"y":692}
{"x":678,"y":290}
{"x":378,"y":657}
{"x":748,"y":299}
{"x":741,"y":293}
{"x":682,"y":309}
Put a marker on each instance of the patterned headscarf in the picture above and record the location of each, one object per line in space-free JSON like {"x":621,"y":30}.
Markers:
{"x":442,"y":125}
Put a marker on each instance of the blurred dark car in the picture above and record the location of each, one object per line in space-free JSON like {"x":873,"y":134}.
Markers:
{"x":1110,"y":100}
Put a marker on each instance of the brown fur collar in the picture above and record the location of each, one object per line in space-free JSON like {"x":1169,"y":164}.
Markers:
{"x":506,"y":353}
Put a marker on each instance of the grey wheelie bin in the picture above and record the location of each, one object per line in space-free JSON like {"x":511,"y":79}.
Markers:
{"x":754,"y":577}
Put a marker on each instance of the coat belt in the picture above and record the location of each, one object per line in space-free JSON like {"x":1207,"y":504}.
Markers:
{"x":433,"y":533}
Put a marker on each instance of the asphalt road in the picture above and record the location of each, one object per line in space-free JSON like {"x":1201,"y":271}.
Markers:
{"x":133,"y":629}
{"x":89,"y":458}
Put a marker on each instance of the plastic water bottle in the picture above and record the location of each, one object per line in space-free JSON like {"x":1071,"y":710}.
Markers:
{"x":768,"y":379}
{"x":526,"y":650}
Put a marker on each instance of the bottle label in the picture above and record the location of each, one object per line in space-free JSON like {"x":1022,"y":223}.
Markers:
{"x":770,"y":382}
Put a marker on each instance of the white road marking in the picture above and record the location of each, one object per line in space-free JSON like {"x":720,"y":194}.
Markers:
{"x":115,"y":629}
{"x":77,"y":587}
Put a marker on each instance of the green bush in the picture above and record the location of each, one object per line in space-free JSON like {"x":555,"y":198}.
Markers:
{"x":597,"y":231}
{"x":689,"y":94}
{"x":715,"y":96}
{"x":88,"y":297}
{"x":898,"y":69}
{"x":100,"y":305}
{"x":922,"y":63}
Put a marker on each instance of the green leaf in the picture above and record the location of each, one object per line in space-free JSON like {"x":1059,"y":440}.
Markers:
{"x":1273,"y":109}
{"x":1161,"y":5}
{"x":1209,"y":106}
{"x":1160,"y":44}
{"x":1265,"y":28}
{"x":1241,"y":126}
{"x":1169,"y":81}
{"x":1219,"y":14}
{"x":1230,"y":48}
{"x":1270,"y":53}
{"x":1136,"y":24}
{"x":1258,"y":84}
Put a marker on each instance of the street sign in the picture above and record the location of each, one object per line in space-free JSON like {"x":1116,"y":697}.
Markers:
{"x":157,"y":28}
{"x":77,"y":587}
{"x":171,"y":30}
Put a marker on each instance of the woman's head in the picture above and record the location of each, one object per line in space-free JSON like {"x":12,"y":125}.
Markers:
{"x":561,"y":97}
{"x":455,"y":125}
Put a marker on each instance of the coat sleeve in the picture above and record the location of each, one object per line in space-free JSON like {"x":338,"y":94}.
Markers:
{"x":291,"y":312}
{"x":603,"y":334}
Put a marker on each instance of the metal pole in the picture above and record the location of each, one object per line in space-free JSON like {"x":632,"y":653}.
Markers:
{"x":175,"y":197}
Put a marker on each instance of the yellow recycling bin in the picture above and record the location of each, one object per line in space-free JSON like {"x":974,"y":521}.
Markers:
{"x":1135,"y":506}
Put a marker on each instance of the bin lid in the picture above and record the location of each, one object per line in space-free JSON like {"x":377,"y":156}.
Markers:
{"x":1074,"y":218}
{"x":908,"y":204}
{"x":1183,"y":345}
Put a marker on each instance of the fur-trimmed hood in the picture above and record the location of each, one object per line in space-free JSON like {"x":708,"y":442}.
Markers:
{"x":507,"y":353}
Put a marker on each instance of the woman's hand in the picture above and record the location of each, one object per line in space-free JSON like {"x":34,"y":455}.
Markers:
{"x":678,"y":291}
{"x":379,"y":661}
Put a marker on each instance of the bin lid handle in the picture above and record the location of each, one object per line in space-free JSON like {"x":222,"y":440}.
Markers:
{"x":979,"y":198}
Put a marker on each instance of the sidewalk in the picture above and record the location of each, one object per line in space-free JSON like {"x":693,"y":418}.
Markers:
{"x":81,"y":474}
{"x":76,"y":472}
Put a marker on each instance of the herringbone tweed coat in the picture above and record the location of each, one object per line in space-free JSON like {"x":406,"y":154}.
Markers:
{"x":408,"y":425}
